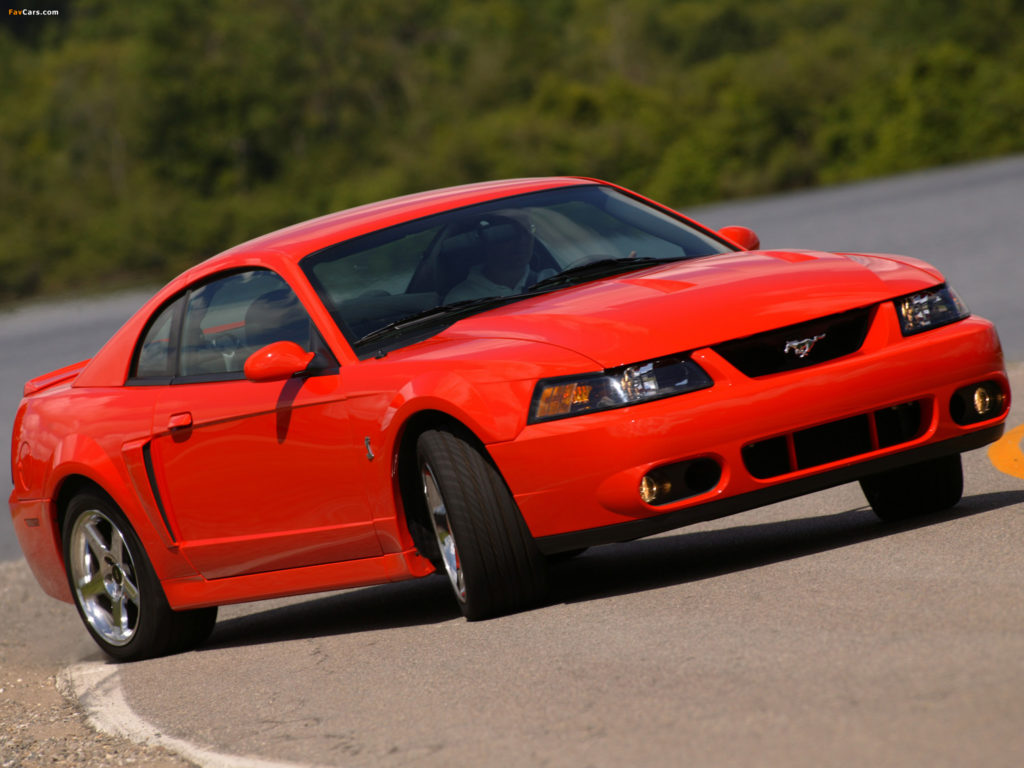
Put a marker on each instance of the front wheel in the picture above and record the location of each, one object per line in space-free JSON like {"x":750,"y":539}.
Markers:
{"x":917,"y":489}
{"x":116,"y":591}
{"x":485,"y":548}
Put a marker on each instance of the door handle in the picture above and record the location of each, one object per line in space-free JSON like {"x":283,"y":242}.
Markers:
{"x":179,"y":421}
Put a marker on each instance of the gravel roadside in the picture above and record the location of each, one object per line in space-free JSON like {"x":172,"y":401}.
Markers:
{"x":38,"y":726}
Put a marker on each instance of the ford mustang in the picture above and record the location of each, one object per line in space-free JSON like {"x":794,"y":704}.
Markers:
{"x":470,"y":381}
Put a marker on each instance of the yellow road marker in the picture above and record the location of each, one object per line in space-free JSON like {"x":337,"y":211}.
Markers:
{"x":1006,"y":454}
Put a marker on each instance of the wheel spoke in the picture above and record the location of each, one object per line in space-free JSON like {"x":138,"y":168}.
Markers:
{"x":119,"y":616}
{"x":94,"y":541}
{"x":91,"y":586}
{"x":131,"y":592}
{"x":117,"y":548}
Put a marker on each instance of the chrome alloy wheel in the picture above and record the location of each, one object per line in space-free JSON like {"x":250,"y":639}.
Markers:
{"x":442,"y":526}
{"x":104,"y":577}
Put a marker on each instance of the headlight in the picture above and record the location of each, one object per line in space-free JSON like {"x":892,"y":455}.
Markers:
{"x":929,"y":309}
{"x":615,"y":388}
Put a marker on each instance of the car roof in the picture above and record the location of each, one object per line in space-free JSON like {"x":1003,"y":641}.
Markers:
{"x":306,"y":237}
{"x":283,"y":248}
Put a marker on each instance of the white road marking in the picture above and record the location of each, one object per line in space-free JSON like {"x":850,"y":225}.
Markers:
{"x":97,"y":688}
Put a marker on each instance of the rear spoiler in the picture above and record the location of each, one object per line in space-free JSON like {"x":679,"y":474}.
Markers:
{"x":53,"y":378}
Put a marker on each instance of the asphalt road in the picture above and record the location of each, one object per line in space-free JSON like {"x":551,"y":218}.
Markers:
{"x":806,"y":633}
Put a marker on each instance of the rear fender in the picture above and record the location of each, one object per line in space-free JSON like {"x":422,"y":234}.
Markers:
{"x":80,"y":459}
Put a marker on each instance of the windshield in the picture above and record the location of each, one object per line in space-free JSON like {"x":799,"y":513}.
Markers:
{"x":389,"y":283}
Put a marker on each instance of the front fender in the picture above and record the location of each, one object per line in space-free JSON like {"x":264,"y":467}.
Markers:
{"x":381,"y":428}
{"x":485,"y":387}
{"x":493,"y":411}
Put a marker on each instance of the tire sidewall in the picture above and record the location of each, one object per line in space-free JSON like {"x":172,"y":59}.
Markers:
{"x":502,"y":569}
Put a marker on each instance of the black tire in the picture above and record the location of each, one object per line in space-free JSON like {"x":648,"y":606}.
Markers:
{"x":194,"y":628}
{"x":116,"y":590}
{"x":918,"y":489}
{"x":495,"y":567}
{"x":563,"y":557}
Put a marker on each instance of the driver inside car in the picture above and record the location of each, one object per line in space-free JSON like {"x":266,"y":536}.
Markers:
{"x":505,"y":270}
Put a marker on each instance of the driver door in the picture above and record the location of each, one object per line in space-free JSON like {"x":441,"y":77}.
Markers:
{"x":255,"y":476}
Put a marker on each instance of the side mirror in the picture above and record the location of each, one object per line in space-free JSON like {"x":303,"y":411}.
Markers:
{"x":744,"y":237}
{"x":277,"y":362}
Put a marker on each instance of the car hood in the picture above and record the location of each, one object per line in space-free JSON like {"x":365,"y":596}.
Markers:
{"x":693,"y":304}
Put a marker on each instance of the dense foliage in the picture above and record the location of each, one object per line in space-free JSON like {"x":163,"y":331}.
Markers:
{"x":136,"y":139}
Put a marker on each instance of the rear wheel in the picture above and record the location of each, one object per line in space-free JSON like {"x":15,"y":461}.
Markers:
{"x":918,"y":489}
{"x":116,"y":590}
{"x":485,"y":548}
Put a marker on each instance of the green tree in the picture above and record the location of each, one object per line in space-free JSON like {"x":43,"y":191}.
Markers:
{"x":135,"y":143}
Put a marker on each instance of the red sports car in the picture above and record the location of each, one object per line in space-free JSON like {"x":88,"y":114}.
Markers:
{"x":468,"y":381}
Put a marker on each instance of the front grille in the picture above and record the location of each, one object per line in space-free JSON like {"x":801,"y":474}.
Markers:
{"x":834,"y":441}
{"x":780,"y":350}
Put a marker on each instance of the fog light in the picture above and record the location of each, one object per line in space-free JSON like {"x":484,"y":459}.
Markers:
{"x":982,"y":401}
{"x":651,"y":490}
{"x":977,"y":402}
{"x":673,"y":482}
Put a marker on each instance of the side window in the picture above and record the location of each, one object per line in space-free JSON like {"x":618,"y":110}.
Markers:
{"x":156,"y":355}
{"x":226,"y":320}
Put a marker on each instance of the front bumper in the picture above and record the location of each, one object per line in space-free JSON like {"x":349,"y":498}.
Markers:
{"x":577,"y":480}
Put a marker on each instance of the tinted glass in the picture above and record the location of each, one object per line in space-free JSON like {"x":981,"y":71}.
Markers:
{"x":500,"y":249}
{"x":226,"y":320}
{"x":156,"y":355}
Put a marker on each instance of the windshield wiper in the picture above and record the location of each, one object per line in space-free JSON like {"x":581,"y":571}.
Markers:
{"x":595,"y":269}
{"x":451,"y":312}
{"x":445,"y":311}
